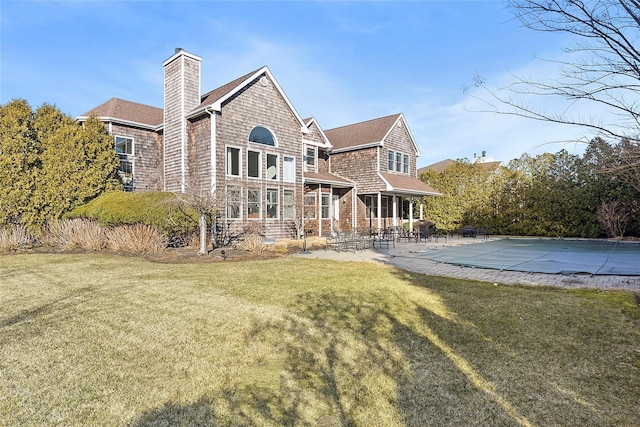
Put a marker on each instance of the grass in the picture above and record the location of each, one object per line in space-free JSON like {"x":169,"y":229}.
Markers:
{"x":105,"y":340}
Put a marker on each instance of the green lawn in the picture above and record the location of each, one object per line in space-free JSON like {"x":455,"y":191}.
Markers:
{"x":106,"y":340}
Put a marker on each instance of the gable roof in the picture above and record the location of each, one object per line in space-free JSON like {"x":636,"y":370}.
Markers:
{"x":127,"y":112}
{"x":365,"y":134}
{"x":215,"y":98}
{"x":211,"y":97}
{"x":310,"y":122}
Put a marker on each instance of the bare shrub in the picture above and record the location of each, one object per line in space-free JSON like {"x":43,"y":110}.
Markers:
{"x":252,"y":242}
{"x":76,"y":233}
{"x":614,"y":217}
{"x":14,"y":238}
{"x":137,"y":238}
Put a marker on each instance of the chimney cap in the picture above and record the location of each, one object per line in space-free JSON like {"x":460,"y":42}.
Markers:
{"x":179,"y":49}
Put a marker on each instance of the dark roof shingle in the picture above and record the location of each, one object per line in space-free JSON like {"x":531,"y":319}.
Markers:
{"x":362,"y":133}
{"x":120,"y":109}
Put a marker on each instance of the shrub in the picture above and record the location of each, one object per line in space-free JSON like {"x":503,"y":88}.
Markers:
{"x":152,"y":208}
{"x":74,"y":234}
{"x":252,"y":242}
{"x":14,"y":238}
{"x":137,"y":238}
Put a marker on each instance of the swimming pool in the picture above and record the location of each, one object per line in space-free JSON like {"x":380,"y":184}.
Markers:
{"x":561,"y":256}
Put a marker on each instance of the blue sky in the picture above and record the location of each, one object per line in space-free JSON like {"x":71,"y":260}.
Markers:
{"x":342,"y":62}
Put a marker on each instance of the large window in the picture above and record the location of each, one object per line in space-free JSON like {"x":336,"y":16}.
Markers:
{"x":262,"y":135}
{"x":288,"y":204}
{"x":234,"y":202}
{"x":233,"y":161}
{"x":310,"y":205}
{"x":253,"y":164}
{"x":289,"y":169}
{"x":405,"y":163}
{"x":253,"y":203}
{"x":325,"y":199}
{"x":272,"y":203}
{"x":272,"y":167}
{"x":398,"y":162}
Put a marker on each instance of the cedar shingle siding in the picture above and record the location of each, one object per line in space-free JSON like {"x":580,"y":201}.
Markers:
{"x":175,"y":148}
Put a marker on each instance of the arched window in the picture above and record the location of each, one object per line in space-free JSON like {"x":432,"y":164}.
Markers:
{"x":262,"y":136}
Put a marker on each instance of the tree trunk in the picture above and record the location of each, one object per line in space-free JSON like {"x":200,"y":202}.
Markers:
{"x":202,"y":223}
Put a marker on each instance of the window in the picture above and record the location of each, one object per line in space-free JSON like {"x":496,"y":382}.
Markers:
{"x":253,"y":164}
{"x":234,"y":201}
{"x":262,"y":135}
{"x":124,"y":145}
{"x":288,"y":204}
{"x":390,"y":161}
{"x":325,"y":199}
{"x":398,"y":162}
{"x":124,"y":148}
{"x":289,"y":169}
{"x":310,"y":205}
{"x":233,"y":161}
{"x":405,"y":163}
{"x":310,"y":159}
{"x":272,"y":166}
{"x":384,"y":207}
{"x":272,"y":203}
{"x":371,"y":203}
{"x":253,"y":203}
{"x":125,"y":170}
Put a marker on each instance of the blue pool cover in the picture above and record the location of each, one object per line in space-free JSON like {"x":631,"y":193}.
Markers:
{"x":558,"y":256}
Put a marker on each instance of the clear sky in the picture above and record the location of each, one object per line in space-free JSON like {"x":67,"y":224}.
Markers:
{"x":341,"y":62}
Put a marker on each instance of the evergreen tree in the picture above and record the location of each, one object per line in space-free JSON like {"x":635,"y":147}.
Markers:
{"x":18,"y":160}
{"x":61,"y":164}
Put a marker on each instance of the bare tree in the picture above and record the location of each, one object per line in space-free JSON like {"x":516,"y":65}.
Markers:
{"x":604,"y":69}
{"x":203,"y":200}
{"x":614,"y":217}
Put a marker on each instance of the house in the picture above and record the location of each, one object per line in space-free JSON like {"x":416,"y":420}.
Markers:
{"x":245,"y":144}
{"x":486,"y":162}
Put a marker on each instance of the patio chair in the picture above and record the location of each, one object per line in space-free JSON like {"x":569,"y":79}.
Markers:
{"x":424,"y":230}
{"x":469,"y":231}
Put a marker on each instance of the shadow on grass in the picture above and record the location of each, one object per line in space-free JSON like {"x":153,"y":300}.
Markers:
{"x":341,"y":360}
{"x":58,"y":305}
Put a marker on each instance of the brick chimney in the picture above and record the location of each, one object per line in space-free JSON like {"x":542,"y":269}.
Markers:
{"x":181,"y":95}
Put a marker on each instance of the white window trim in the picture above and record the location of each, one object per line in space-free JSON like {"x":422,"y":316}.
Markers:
{"x":259,"y":144}
{"x":266,"y":164}
{"x":239,"y":202}
{"x":315,"y":205}
{"x":266,"y":198}
{"x":259,"y":217}
{"x":259,"y":164}
{"x":292,"y":205}
{"x":226,"y":160}
{"x":133,"y":144}
{"x":307,"y":168}
{"x":293,"y":170}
